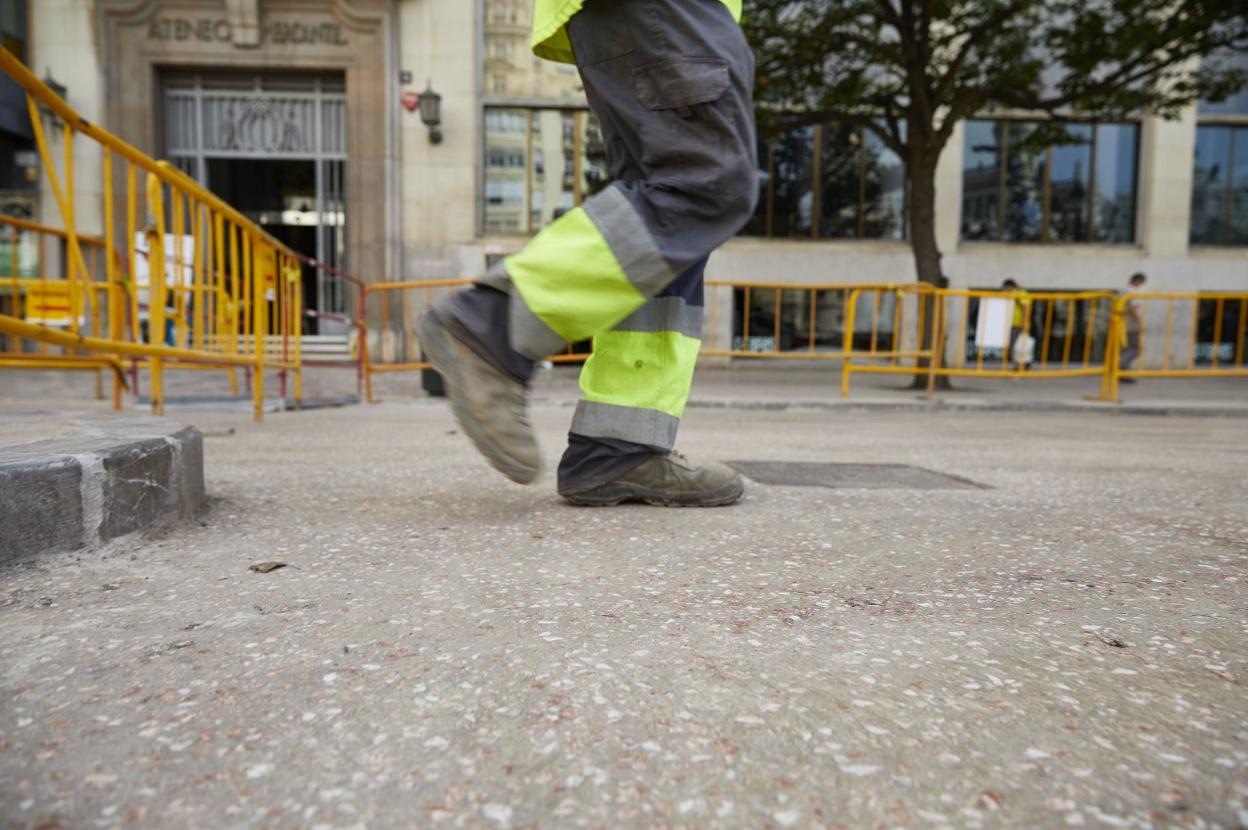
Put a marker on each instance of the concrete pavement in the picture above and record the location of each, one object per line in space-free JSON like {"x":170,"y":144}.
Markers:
{"x":444,"y":648}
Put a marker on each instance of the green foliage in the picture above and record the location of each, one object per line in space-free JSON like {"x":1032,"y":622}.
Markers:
{"x":928,"y":64}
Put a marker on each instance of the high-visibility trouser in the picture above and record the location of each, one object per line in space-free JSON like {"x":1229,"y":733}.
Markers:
{"x":670,"y":82}
{"x":635,"y":384}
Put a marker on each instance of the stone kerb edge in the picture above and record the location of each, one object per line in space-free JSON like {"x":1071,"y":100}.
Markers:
{"x":81,"y":500}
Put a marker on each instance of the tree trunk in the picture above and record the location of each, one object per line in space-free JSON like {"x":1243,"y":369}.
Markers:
{"x":922,"y":168}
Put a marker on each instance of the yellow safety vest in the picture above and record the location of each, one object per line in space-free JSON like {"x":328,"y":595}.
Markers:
{"x":550,"y":38}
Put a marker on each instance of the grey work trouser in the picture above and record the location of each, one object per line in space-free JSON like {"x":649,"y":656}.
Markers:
{"x":671,"y":84}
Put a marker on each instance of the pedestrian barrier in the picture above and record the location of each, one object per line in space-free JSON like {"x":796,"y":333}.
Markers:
{"x":349,"y":349}
{"x":908,"y":329}
{"x":28,"y":292}
{"x":889,"y":331}
{"x":1021,"y":334}
{"x":193,"y":284}
{"x":868,"y":329}
{"x":400,"y":349}
{"x":828,"y":321}
{"x":1201,"y":335}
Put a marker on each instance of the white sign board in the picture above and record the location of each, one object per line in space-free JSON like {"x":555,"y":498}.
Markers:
{"x":992,"y":330}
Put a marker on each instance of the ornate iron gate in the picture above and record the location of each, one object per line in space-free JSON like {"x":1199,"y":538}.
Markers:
{"x":260,"y":117}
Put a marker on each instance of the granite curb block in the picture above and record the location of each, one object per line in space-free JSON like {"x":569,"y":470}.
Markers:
{"x":98,"y":478}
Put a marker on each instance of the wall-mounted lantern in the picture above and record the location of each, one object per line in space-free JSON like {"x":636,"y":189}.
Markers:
{"x":431,"y":112}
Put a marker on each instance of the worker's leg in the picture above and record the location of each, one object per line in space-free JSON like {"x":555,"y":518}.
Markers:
{"x":670,"y":81}
{"x":635,"y":386}
{"x":1130,"y":353}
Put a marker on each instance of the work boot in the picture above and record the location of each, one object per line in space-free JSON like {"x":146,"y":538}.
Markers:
{"x":665,"y":481}
{"x":489,"y":403}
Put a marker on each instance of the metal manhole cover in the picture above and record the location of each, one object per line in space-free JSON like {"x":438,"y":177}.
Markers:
{"x":856,"y":476}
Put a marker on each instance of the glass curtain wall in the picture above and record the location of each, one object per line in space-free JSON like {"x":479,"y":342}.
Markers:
{"x":829,"y":181}
{"x":1018,"y":188}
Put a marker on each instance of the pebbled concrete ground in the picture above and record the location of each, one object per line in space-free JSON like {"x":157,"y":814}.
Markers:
{"x":446,"y":649}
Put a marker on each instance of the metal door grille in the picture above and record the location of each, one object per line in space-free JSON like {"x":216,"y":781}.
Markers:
{"x":269,"y":117}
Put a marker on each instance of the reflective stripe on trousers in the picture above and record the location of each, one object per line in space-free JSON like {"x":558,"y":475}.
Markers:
{"x":636,"y":382}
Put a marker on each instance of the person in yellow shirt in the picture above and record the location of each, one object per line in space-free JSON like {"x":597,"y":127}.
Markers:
{"x":1018,"y":325}
{"x":671,"y":82}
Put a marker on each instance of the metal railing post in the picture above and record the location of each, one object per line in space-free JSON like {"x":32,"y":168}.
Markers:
{"x":851,"y":314}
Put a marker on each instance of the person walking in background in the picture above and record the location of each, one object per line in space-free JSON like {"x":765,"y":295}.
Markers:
{"x":1133,"y":325}
{"x":1019,"y":354}
{"x":671,"y":82}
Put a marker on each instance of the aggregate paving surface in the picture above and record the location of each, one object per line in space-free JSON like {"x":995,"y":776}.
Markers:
{"x":1068,"y":648}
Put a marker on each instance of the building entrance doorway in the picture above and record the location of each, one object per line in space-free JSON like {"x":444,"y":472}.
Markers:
{"x":274,"y":147}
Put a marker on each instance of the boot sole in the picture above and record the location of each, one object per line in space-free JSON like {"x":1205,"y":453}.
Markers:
{"x":439,"y":346}
{"x":611,"y":495}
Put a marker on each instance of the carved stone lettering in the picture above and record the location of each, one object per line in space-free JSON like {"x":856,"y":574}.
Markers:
{"x":219,"y":30}
{"x":282,"y":32}
{"x":204,"y":29}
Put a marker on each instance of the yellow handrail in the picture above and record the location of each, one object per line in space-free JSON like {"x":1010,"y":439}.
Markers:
{"x":203,"y":309}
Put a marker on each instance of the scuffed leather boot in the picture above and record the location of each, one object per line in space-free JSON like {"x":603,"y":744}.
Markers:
{"x":489,"y":404}
{"x":666,"y":481}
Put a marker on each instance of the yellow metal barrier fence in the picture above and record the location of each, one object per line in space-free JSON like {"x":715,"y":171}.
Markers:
{"x":29,"y":291}
{"x":887,"y":333}
{"x":1021,"y":334}
{"x":915,"y":329}
{"x":1202,"y":335}
{"x":767,"y":332}
{"x":399,"y":350}
{"x":219,"y":291}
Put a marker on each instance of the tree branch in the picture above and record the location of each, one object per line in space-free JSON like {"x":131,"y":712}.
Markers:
{"x":988,"y":27}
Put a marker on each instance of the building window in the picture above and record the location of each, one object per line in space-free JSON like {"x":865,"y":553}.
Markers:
{"x":829,"y":181}
{"x":539,"y":163}
{"x":1220,"y":185}
{"x":1018,"y":188}
{"x":1220,"y":174}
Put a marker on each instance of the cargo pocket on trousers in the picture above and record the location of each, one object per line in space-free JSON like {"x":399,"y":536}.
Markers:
{"x":684,"y":135}
{"x":681,"y":83}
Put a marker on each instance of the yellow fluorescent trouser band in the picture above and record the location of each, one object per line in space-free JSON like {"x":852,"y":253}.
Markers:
{"x":568,"y":277}
{"x":645,"y":370}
